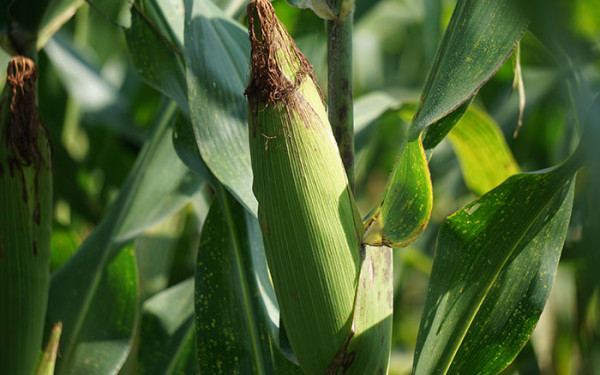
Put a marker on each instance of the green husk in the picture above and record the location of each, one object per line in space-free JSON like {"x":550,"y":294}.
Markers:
{"x":311,"y":228}
{"x":25,"y":221}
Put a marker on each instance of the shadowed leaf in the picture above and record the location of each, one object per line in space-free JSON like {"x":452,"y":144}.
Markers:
{"x":167,"y":344}
{"x":158,"y":186}
{"x":155,"y":39}
{"x":217,"y":52}
{"x":235,"y":305}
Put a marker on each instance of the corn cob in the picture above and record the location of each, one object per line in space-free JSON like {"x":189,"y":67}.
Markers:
{"x":311,"y":228}
{"x":25,"y":220}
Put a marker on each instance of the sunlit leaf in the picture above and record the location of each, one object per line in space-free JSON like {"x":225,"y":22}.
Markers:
{"x":484,"y":156}
{"x":480,"y":37}
{"x":368,"y":108}
{"x":494,"y":266}
{"x":59,"y":12}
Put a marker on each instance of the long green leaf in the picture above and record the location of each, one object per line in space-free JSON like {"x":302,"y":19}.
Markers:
{"x":494,"y":266}
{"x":167,"y":332}
{"x":437,"y":131}
{"x":95,"y":94}
{"x":480,"y":37}
{"x":484,"y":156}
{"x":233,"y":316}
{"x":154,"y":251}
{"x":217,"y":52}
{"x":155,"y":40}
{"x":158,"y":186}
{"x":105,"y":335}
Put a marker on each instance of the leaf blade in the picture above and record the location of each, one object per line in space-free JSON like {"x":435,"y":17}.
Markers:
{"x":216,"y":84}
{"x":155,"y":55}
{"x":232,"y":316}
{"x":480,"y":37}
{"x":106,"y":334}
{"x":74,"y":285}
{"x":482,"y":152}
{"x":167,"y":331}
{"x":474,"y":245}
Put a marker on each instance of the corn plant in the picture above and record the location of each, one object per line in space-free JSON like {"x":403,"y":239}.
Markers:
{"x":208,"y":201}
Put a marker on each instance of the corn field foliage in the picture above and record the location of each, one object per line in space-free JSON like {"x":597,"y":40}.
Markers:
{"x":318,"y":187}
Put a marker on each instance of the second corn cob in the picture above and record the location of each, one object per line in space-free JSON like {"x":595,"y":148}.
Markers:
{"x":25,"y":220}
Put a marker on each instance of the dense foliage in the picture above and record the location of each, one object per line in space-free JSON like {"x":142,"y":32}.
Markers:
{"x":157,"y":261}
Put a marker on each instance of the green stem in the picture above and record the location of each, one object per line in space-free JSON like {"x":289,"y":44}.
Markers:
{"x":339,"y":83}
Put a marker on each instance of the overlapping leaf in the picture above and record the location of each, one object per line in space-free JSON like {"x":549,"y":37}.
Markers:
{"x":158,"y":186}
{"x":155,"y":40}
{"x":232,"y":324}
{"x":437,"y":131}
{"x":167,"y":336}
{"x":494,"y":266}
{"x":484,"y":156}
{"x":105,"y":332}
{"x":217,"y":52}
{"x":480,"y":37}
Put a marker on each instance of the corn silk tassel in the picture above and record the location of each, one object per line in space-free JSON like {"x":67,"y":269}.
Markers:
{"x":334,"y":295}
